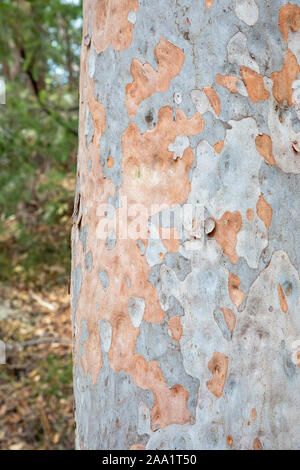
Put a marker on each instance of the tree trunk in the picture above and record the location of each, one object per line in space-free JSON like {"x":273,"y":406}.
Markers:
{"x":186,"y":243}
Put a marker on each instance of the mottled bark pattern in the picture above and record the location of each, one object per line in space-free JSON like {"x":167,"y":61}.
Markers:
{"x":189,"y":101}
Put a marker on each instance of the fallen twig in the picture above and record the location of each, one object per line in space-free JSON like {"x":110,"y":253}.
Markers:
{"x":42,"y":302}
{"x":35,"y":342}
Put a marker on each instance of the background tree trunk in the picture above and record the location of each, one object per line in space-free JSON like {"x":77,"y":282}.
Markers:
{"x":189,"y":343}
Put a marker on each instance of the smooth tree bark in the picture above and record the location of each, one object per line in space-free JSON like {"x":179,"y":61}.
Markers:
{"x":186,"y":241}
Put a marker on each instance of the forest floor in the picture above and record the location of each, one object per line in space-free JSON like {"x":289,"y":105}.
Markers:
{"x":36,"y":396}
{"x":36,"y":392}
{"x":38,"y":154}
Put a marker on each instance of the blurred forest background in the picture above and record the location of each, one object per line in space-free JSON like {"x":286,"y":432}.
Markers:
{"x":39,"y":60}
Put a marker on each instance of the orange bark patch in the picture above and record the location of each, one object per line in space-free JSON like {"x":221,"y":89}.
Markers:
{"x":250,"y":214}
{"x":137,"y":447}
{"x":113,"y":308}
{"x":254,"y":84}
{"x":282,"y":299}
{"x":175,"y":327}
{"x":228,"y":81}
{"x":229,"y":318}
{"x":146,"y":80}
{"x":110,"y":23}
{"x":264,"y":211}
{"x":236,"y":295}
{"x":288,"y":19}
{"x":170,"y":408}
{"x":213,"y":99}
{"x":218,"y":365}
{"x":253,"y":414}
{"x":229,"y":440}
{"x":170,"y":239}
{"x":218,"y":147}
{"x":110,"y":162}
{"x":91,"y":352}
{"x":283,"y":80}
{"x":170,"y":404}
{"x":257,"y":444}
{"x":209,"y":3}
{"x":226,"y":232}
{"x":264,"y":146}
{"x":93,"y":187}
{"x":150,"y":173}
{"x":99,"y":119}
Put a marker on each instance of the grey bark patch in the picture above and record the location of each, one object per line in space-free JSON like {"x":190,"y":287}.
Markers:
{"x":110,"y":208}
{"x":89,"y":127}
{"x":104,"y":279}
{"x":284,"y":231}
{"x":76,"y":285}
{"x":141,"y":246}
{"x":155,"y":247}
{"x":83,"y":235}
{"x":290,"y":369}
{"x":96,"y":418}
{"x":152,"y":341}
{"x":213,"y":129}
{"x":111,"y":240}
{"x":154,"y":277}
{"x":175,"y":309}
{"x":87,"y":38}
{"x":172,"y":366}
{"x":220,"y":321}
{"x":136,"y":308}
{"x":180,"y":265}
{"x":155,"y":344}
{"x":105,"y":331}
{"x":84,"y":333}
{"x":88,"y":261}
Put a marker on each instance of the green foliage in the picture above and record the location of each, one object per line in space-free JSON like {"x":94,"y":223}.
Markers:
{"x":39,"y":60}
{"x":56,"y":376}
